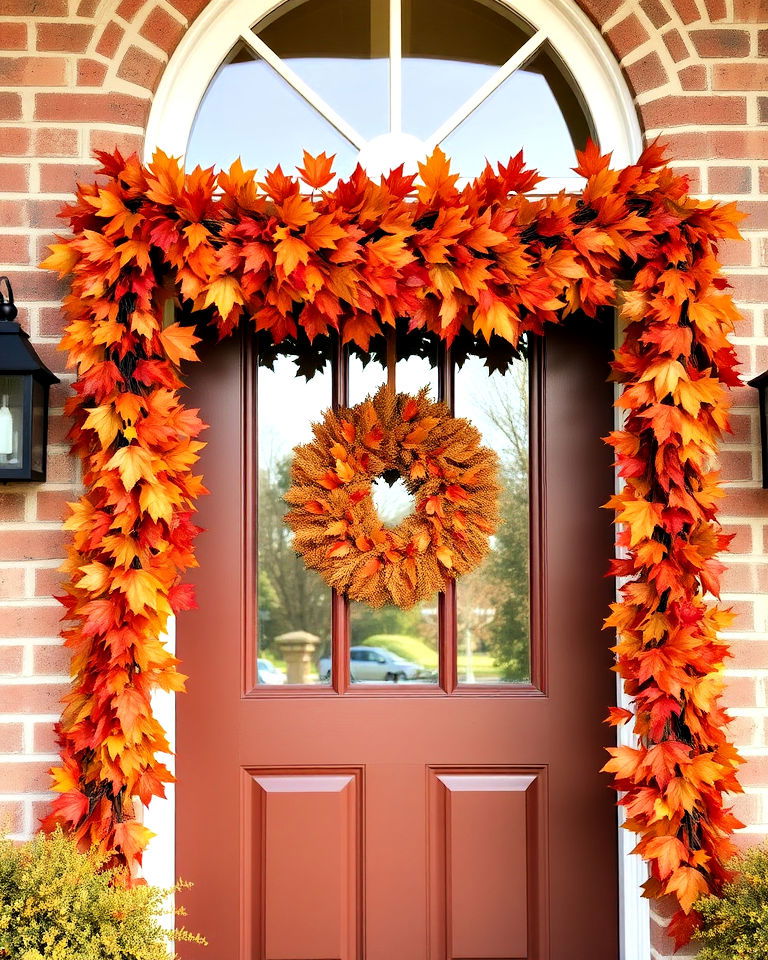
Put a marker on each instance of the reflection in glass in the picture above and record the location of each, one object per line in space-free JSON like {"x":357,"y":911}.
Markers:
{"x":341,"y":49}
{"x":535,"y":110}
{"x":450,"y":48}
{"x":493,"y":600}
{"x":250,"y":112}
{"x":392,"y":645}
{"x":294,"y":603}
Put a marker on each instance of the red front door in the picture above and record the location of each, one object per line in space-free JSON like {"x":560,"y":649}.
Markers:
{"x":411,"y":820}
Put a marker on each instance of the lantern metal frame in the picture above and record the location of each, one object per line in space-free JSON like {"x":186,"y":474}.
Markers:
{"x":18,"y":359}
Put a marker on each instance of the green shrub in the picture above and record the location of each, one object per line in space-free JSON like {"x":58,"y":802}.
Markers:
{"x":735,"y":924}
{"x":59,"y":904}
{"x":410,"y":648}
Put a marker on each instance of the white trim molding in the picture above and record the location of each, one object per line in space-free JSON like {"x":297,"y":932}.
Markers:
{"x":599,"y":83}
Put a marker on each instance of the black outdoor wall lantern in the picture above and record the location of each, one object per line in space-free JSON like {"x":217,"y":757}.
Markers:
{"x":24,"y":385}
{"x":760,"y":383}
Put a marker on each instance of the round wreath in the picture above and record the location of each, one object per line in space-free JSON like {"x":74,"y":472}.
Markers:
{"x":452,"y":477}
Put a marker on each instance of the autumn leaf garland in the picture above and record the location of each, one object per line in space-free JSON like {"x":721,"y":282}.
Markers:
{"x":348,"y":259}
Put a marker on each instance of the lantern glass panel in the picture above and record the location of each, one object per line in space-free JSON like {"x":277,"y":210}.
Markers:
{"x":38,"y":427}
{"x":11,"y":420}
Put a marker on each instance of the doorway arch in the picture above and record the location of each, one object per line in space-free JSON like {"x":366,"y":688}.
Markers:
{"x":607,"y":100}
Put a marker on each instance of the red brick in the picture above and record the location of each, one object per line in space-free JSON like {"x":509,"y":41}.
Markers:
{"x":15,"y":141}
{"x":49,"y":580}
{"x":30,"y":621}
{"x":687,"y":10}
{"x":129,"y":8}
{"x":743,"y":730}
{"x":11,"y":813}
{"x":750,"y":11}
{"x":745,"y":614}
{"x":52,"y":504}
{"x":36,"y":285}
{"x":87,"y":8}
{"x":716,"y":9}
{"x":45,"y":213}
{"x":10,"y":106}
{"x":162,"y":29}
{"x":127,"y":143}
{"x":91,"y":107}
{"x":11,"y":738}
{"x":31,"y":545}
{"x":52,"y":357}
{"x":61,"y":468}
{"x":740,"y":692}
{"x":191,"y":8}
{"x":693,"y":77}
{"x":141,"y":68}
{"x":14,"y":177}
{"x":694,"y":177}
{"x":754,"y":773}
{"x":716,"y":144}
{"x":691,"y":145}
{"x":735,"y":253}
{"x":35,"y":8}
{"x":64,"y":37}
{"x":12,"y":583}
{"x":753,"y":288}
{"x":52,"y":322}
{"x":109,"y":40}
{"x":14,"y":36}
{"x":56,"y":142}
{"x":656,"y":12}
{"x":51,"y":660}
{"x":11,"y":659}
{"x":676,"y":45}
{"x":762,"y":109}
{"x":747,"y":841}
{"x":63,"y":177}
{"x":740,"y":76}
{"x":762,"y":43}
{"x":90,"y":73}
{"x":730,"y":180}
{"x":746,"y":806}
{"x":626,"y":36}
{"x":33,"y":71}
{"x":15,"y":249}
{"x":740,"y":578}
{"x":44,"y":738}
{"x":647,"y":73}
{"x":32,"y":777}
{"x":11,"y":507}
{"x":741,"y":425}
{"x":680,"y":111}
{"x":58,"y":427}
{"x":757,"y":215}
{"x":33,"y":697}
{"x":721,"y":43}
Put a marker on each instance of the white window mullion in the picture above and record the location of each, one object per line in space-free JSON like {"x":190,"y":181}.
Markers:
{"x":304,"y":90}
{"x":395,"y":66}
{"x":516,"y":61}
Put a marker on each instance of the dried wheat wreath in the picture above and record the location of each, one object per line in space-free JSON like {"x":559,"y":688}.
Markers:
{"x":337,"y":529}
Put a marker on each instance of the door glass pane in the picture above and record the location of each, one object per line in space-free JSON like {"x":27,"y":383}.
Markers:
{"x":294,"y":603}
{"x":341,"y":49}
{"x":250,"y":112}
{"x":493,"y":600}
{"x":535,"y":110}
{"x":405,"y":640}
{"x":450,"y":48}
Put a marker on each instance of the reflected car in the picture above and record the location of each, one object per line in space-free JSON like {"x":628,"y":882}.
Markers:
{"x":268,"y":672}
{"x":375,"y":663}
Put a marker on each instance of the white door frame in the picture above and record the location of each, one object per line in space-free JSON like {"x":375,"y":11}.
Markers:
{"x":609,"y":103}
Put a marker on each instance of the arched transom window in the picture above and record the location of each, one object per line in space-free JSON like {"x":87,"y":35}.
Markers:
{"x":382,"y":82}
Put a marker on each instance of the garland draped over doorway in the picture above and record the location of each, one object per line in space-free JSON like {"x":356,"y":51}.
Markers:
{"x":298,"y":258}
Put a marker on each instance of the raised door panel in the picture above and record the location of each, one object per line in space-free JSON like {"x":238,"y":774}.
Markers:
{"x":303,"y":865}
{"x":488,"y":864}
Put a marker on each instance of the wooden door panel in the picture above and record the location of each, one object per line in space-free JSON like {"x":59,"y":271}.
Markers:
{"x":304,"y":864}
{"x":488,"y":864}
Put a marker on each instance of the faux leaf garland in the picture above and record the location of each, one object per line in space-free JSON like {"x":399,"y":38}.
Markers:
{"x":348,"y":260}
{"x":337,"y":528}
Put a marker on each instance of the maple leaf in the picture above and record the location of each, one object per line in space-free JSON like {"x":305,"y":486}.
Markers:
{"x":140,"y":588}
{"x":360,"y":327}
{"x":133,"y":463}
{"x":132,"y":837}
{"x":437,"y":181}
{"x":179,"y":343}
{"x":63,"y":258}
{"x":668,"y":852}
{"x":224,"y":294}
{"x":72,"y":806}
{"x":105,"y":421}
{"x":687,"y":884}
{"x":317,"y":171}
{"x":642,"y":517}
{"x":624,"y":762}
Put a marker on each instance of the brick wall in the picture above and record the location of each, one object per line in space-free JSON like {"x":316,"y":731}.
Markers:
{"x":79,"y":74}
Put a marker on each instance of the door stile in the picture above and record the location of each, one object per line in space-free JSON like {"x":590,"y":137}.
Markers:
{"x":249,"y":402}
{"x":340,"y":665}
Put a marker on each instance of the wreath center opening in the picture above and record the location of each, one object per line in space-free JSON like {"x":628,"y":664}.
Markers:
{"x":392,"y":498}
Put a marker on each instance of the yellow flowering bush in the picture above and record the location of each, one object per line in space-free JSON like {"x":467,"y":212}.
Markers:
{"x":735,"y":924}
{"x":59,"y":904}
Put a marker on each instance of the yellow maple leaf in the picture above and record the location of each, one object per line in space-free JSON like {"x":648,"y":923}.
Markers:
{"x":133,"y":463}
{"x":223,"y":293}
{"x":62,"y":259}
{"x":179,"y":342}
{"x":105,"y":421}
